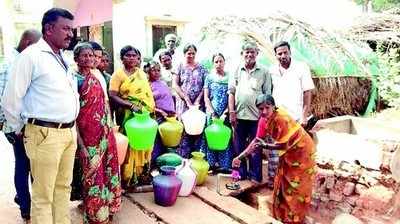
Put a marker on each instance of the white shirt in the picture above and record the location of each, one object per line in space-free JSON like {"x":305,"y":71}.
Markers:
{"x":177,"y":58}
{"x":289,"y":86}
{"x":40,"y":87}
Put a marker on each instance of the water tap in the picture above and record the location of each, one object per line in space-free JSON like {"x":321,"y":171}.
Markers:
{"x":234,"y":185}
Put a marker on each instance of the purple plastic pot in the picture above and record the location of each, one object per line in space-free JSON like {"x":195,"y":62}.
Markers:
{"x":166,"y":186}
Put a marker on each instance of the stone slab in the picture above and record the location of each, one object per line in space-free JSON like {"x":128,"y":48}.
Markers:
{"x":233,"y":207}
{"x":186,"y":210}
{"x":245,"y":185}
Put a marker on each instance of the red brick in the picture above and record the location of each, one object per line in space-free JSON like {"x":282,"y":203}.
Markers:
{"x":349,"y":188}
{"x":351,"y":199}
{"x":332,"y":205}
{"x":325,"y":172}
{"x":345,"y":207}
{"x":315,"y":204}
{"x":360,"y":189}
{"x":340,"y":185}
{"x":309,"y":220}
{"x":316,"y":195}
{"x":336,"y":196}
{"x":373,"y":205}
{"x":320,"y":188}
{"x":330,"y":182}
{"x":324,"y":197}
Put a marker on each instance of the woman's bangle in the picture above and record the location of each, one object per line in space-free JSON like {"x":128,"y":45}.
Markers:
{"x":232,"y":112}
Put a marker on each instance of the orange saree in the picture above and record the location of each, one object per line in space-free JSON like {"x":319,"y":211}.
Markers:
{"x":294,"y":178}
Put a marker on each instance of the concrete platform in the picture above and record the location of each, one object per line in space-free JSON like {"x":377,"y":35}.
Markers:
{"x":367,"y":128}
{"x":349,"y":138}
{"x":245,"y":185}
{"x":186,"y":210}
{"x":205,"y":205}
{"x":233,"y":207}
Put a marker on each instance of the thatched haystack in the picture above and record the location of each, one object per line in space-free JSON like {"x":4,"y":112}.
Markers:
{"x":335,"y":96}
{"x":379,"y":27}
{"x":327,"y":54}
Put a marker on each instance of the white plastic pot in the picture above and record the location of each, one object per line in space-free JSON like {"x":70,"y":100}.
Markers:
{"x":194,"y":120}
{"x":188,"y":177}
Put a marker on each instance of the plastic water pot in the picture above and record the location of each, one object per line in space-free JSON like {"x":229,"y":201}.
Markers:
{"x":218,"y":135}
{"x":200,"y":166}
{"x":122,"y":145}
{"x":141,"y":131}
{"x":171,"y":132}
{"x":166,"y":186}
{"x":171,"y":158}
{"x":188,"y":177}
{"x":194,"y":120}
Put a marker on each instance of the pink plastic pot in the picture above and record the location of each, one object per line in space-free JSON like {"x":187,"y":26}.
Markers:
{"x":122,"y":145}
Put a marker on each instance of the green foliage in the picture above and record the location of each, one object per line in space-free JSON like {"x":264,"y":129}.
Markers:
{"x":380,"y":5}
{"x":389,"y":77}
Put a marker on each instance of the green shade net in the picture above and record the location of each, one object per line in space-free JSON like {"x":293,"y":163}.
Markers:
{"x":323,"y":63}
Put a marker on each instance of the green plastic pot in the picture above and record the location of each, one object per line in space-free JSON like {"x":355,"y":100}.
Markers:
{"x":171,"y":158}
{"x":141,"y":130}
{"x":218,"y":135}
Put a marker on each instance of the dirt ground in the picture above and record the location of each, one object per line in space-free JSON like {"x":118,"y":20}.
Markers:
{"x":9,"y":211}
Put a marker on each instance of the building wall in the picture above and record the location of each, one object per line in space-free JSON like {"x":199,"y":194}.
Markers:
{"x":17,"y":16}
{"x":133,"y":25}
{"x":128,"y":28}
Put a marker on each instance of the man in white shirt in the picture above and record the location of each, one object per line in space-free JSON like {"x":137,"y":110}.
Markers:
{"x":170,"y":44}
{"x":166,"y":69}
{"x":42,"y":97}
{"x":292,"y":83}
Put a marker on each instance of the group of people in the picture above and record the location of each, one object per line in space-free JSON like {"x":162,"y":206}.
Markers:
{"x":50,"y":110}
{"x":55,"y":113}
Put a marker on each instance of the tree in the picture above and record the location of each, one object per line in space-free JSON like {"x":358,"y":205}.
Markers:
{"x":364,"y":4}
{"x":377,"y":5}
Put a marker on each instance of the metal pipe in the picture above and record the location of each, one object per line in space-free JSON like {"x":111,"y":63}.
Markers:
{"x":218,"y":179}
